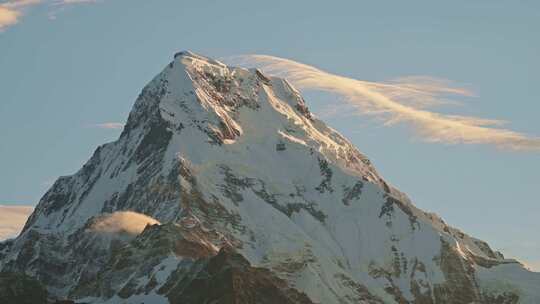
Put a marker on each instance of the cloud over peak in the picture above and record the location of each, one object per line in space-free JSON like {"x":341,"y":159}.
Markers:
{"x":403,"y":100}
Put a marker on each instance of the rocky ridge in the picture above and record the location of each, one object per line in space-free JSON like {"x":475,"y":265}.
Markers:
{"x":247,"y":191}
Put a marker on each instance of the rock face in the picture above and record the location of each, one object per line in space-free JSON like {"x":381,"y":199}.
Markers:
{"x":237,"y":194}
{"x":229,"y":278}
{"x":21,"y":289}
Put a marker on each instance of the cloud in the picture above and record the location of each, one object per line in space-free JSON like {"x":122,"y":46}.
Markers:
{"x":12,"y":220}
{"x":109,"y":125}
{"x":7,"y":17}
{"x":400,"y":101}
{"x":535,"y":266}
{"x":12,"y":11}
{"x":530,"y":264}
{"x":122,"y":222}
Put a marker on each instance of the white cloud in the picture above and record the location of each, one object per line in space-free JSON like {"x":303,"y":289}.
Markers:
{"x":122,"y":222}
{"x":400,"y":101}
{"x":12,"y":220}
{"x":531,"y":264}
{"x":109,"y":125}
{"x":12,"y":11}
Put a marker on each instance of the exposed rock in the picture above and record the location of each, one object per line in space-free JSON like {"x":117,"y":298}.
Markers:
{"x":223,"y":157}
{"x":228,"y":278}
{"x":17,"y":288}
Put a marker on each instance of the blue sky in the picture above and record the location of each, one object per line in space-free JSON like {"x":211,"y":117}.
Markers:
{"x":65,"y":68}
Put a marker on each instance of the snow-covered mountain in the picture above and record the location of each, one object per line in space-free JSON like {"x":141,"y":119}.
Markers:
{"x":224,"y":188}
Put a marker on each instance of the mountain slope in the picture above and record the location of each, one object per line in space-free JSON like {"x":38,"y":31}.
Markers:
{"x":220,"y":157}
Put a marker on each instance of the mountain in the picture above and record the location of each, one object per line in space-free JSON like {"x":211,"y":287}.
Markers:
{"x":224,"y":188}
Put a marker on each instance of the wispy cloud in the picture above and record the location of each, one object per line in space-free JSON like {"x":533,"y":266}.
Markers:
{"x":532,"y":265}
{"x":12,"y":11}
{"x":526,"y":252}
{"x":8,"y":17}
{"x":108,"y":125}
{"x":12,"y":220}
{"x":400,"y":101}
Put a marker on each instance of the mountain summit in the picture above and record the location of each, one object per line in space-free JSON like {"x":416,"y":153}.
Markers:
{"x":224,"y":188}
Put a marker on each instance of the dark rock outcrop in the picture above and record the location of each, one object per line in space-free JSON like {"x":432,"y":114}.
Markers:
{"x":17,"y":288}
{"x":228,"y":278}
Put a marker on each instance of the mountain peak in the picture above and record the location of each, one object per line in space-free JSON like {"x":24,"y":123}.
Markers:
{"x":225,"y":157}
{"x":188,"y":57}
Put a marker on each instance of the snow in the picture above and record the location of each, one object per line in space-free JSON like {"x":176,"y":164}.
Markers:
{"x":350,"y":239}
{"x":511,"y":278}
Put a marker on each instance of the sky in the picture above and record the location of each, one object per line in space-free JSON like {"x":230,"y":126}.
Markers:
{"x":70,"y":71}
